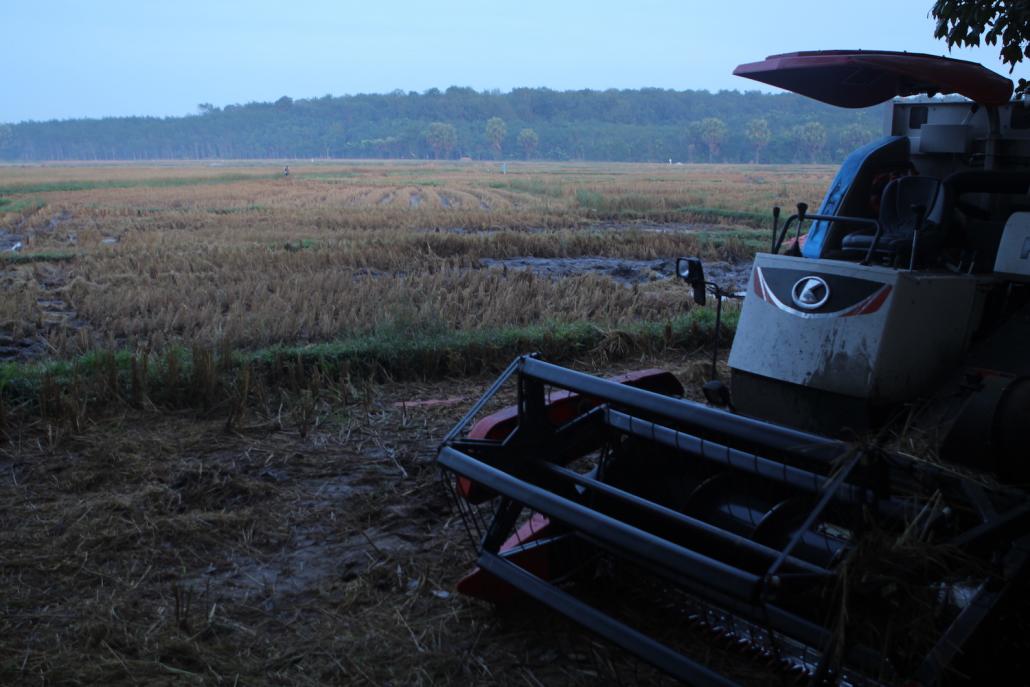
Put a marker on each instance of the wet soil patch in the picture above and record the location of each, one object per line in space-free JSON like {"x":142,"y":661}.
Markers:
{"x":10,"y":242}
{"x":622,"y":270}
{"x":54,"y":315}
{"x":14,"y":238}
{"x":599,"y":227}
{"x":21,"y":349}
{"x":658,"y":227}
{"x":730,"y":276}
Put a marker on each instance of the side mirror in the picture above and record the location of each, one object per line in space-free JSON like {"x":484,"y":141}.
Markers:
{"x":691,"y":271}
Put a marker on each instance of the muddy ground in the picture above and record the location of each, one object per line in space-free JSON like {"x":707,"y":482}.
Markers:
{"x":155,"y":547}
{"x":44,"y":281}
{"x":731,"y":276}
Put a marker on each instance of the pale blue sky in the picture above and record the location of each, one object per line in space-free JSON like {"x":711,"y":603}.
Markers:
{"x":72,"y":58}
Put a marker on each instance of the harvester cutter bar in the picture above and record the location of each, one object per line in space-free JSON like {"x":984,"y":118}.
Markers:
{"x":648,"y":649}
{"x":615,"y":533}
{"x":502,"y":456}
{"x":737,"y":594}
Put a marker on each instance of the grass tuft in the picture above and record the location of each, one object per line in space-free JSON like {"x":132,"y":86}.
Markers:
{"x":205,"y":378}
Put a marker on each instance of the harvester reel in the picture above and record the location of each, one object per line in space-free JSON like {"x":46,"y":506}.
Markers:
{"x":828,"y":561}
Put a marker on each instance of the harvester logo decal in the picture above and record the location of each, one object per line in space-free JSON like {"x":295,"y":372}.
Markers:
{"x":810,"y":293}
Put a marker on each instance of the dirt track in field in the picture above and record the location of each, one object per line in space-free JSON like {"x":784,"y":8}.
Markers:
{"x":161,"y":548}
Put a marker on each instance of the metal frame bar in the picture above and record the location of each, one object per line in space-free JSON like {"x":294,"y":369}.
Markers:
{"x":829,"y":489}
{"x":983,"y":604}
{"x":640,"y":543}
{"x":693,"y":525}
{"x":802,"y":215}
{"x":478,"y":406}
{"x":791,"y":625}
{"x":730,"y":457}
{"x":776,"y":439}
{"x":650,"y":650}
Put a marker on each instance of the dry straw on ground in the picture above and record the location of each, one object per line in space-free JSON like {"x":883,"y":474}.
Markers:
{"x":152,"y":256}
{"x":310,"y":543}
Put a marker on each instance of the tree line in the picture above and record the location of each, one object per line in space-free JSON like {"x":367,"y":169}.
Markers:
{"x":647,"y":124}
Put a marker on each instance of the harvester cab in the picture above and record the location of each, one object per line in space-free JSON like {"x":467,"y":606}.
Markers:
{"x":769,"y":539}
{"x":913,"y":281}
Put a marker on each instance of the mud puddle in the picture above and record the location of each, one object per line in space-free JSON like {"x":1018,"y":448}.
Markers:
{"x":340,"y":524}
{"x":599,"y":227}
{"x":10,"y":242}
{"x":730,"y":276}
{"x":54,"y":314}
{"x":657,"y":227}
{"x":14,"y":349}
{"x":14,"y":238}
{"x":56,"y":311}
{"x":619,"y":269}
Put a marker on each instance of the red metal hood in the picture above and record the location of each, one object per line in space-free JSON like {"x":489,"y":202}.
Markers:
{"x":861,"y":78}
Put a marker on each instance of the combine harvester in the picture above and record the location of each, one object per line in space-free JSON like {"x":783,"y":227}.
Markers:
{"x":792,"y":524}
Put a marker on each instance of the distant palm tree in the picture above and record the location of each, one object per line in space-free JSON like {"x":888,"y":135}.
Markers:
{"x":442,"y":138}
{"x":758,"y":133}
{"x":528,"y":141}
{"x":713,"y":133}
{"x":496,"y":130}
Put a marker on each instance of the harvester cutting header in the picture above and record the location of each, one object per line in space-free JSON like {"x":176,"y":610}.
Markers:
{"x":787,"y":522}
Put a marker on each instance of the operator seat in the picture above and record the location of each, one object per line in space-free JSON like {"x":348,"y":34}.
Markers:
{"x":898,"y":221}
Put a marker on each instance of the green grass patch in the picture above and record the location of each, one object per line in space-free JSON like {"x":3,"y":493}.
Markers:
{"x":327,"y":176}
{"x":237,"y":210}
{"x":205,"y":377}
{"x":623,"y":205}
{"x":532,"y":186}
{"x":86,"y":185}
{"x":299,"y":244}
{"x":21,"y":204}
{"x":45,"y":256}
{"x":753,"y":238}
{"x":591,"y":200}
{"x":703,"y":214}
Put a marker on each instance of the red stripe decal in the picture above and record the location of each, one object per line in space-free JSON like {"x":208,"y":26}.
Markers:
{"x":759,"y":289}
{"x":871,"y":304}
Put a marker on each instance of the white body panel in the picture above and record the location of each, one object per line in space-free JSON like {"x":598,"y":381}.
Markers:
{"x":897,"y":336}
{"x":1013,"y":259}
